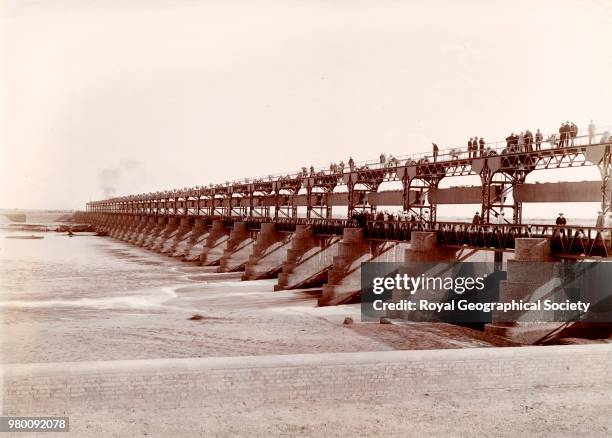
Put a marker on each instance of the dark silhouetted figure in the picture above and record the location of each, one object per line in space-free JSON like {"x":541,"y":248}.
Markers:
{"x":476,"y":220}
{"x":565,"y":132}
{"x":561,"y":222}
{"x":435,"y":152}
{"x":529,"y":141}
{"x":481,"y":143}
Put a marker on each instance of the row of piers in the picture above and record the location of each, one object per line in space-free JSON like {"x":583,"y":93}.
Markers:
{"x":300,"y":258}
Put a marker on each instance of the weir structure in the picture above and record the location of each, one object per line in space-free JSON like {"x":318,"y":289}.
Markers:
{"x":254,"y":225}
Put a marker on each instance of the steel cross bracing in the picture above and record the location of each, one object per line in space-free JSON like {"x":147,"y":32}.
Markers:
{"x":499,"y":172}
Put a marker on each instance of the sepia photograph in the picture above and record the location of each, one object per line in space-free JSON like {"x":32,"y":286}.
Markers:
{"x":305,"y":218}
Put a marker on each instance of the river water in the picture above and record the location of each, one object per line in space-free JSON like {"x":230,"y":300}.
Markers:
{"x":82,"y":271}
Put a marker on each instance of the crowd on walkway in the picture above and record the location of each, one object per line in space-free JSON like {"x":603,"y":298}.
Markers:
{"x":526,"y":141}
{"x":523,"y":142}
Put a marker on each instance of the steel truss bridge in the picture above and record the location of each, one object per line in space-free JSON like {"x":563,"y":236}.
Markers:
{"x":501,"y":170}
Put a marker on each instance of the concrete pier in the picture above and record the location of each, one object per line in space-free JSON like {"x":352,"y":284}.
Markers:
{"x":344,"y":279}
{"x":308,"y":259}
{"x":159,"y":227}
{"x":238,"y":248}
{"x":529,"y":279}
{"x":142,"y":237}
{"x":214,"y":244}
{"x":424,"y":248}
{"x":179,"y":234}
{"x":352,"y":251}
{"x":191,"y":248}
{"x":133,"y":223}
{"x":166,"y":233}
{"x":269,"y":253}
{"x":138,"y":232}
{"x":120,"y":226}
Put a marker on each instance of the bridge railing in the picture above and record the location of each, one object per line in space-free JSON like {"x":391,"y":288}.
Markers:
{"x":565,"y":240}
{"x":320,"y":226}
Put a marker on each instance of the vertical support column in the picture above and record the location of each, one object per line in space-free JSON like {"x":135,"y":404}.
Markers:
{"x":277,"y":198}
{"x":517,"y":215}
{"x":328,"y":207}
{"x":406,"y":192}
{"x":351,"y":198}
{"x":433,"y":208}
{"x":309,"y":201}
{"x":485,"y":206}
{"x":605,"y":169}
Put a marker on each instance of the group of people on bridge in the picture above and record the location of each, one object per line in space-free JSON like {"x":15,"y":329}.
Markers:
{"x":524,"y":142}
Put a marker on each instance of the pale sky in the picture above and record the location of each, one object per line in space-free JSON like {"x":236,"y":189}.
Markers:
{"x":144,"y":95}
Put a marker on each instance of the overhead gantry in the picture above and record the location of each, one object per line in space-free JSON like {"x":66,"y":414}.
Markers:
{"x":501,"y":171}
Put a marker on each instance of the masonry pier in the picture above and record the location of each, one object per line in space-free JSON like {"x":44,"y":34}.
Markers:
{"x":531,"y":276}
{"x":268,"y":253}
{"x":214,"y":244}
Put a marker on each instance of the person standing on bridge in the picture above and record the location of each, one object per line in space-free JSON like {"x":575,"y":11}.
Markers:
{"x":351,"y":163}
{"x":475,"y":146}
{"x":435,"y":152}
{"x":561,"y":221}
{"x":538,"y":140}
{"x":591,"y":132}
{"x":481,"y":144}
{"x":521,"y":142}
{"x":529,"y":140}
{"x":573,"y":132}
{"x":476,"y":219}
{"x":470,"y":147}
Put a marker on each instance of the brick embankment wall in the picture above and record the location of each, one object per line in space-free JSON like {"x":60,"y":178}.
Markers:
{"x":54,"y":388}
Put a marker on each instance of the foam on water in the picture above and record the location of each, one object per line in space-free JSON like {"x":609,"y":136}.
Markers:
{"x":136,"y":300}
{"x":84,"y":271}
